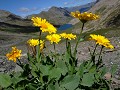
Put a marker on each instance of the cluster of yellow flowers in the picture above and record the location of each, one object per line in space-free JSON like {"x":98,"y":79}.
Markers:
{"x":68,"y":36}
{"x":85,"y":16}
{"x":44,"y":25}
{"x":54,"y":38}
{"x":14,"y":54}
{"x":35,"y":42}
{"x":101,"y":40}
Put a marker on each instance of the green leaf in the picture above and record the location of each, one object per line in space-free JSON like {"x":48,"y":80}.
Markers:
{"x":31,"y":86}
{"x":81,"y":69}
{"x":16,"y":78}
{"x":61,"y":64}
{"x":51,"y":87}
{"x":30,"y":58}
{"x":70,"y":82}
{"x":44,"y":69}
{"x":88,"y":79}
{"x":55,"y":73}
{"x":38,"y":54}
{"x":103,"y":71}
{"x":5,"y":80}
{"x":113,"y":69}
{"x":92,"y":69}
{"x":57,"y":87}
{"x":81,"y":39}
{"x":67,"y":57}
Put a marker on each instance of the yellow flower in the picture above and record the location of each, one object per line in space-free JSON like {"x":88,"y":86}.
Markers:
{"x":37,"y":21}
{"x":14,"y":54}
{"x":44,"y":25}
{"x":68,"y":36}
{"x":50,"y":29}
{"x":85,"y":16}
{"x":75,"y":14}
{"x":33,"y":42}
{"x":42,"y":44}
{"x":53,"y":38}
{"x":101,"y":40}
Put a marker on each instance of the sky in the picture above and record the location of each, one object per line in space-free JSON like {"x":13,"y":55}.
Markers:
{"x":28,"y":7}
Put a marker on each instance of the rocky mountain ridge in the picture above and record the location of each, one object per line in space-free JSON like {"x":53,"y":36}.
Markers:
{"x":55,"y":15}
{"x":81,"y":8}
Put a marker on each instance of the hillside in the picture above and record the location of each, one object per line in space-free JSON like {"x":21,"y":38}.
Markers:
{"x":81,"y":8}
{"x":55,"y":15}
{"x":8,"y":19}
{"x":109,"y":12}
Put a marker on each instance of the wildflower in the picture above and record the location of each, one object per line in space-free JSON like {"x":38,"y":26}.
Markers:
{"x":44,"y":25}
{"x":84,"y":17}
{"x":33,"y":42}
{"x":42,"y":44}
{"x":68,"y":36}
{"x":39,"y":22}
{"x":14,"y":54}
{"x":101,"y":40}
{"x":50,"y":29}
{"x":54,"y":38}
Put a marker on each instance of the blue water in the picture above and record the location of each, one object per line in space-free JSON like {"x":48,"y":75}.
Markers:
{"x":65,"y":26}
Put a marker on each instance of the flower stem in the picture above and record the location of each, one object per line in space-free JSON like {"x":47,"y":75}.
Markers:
{"x":94,"y":49}
{"x":100,"y":53}
{"x":78,"y":40}
{"x":66,"y":43}
{"x":93,"y":54}
{"x":54,"y":47}
{"x":40,"y":36}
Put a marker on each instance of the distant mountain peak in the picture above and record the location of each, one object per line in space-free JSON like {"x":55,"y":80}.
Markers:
{"x":55,"y":15}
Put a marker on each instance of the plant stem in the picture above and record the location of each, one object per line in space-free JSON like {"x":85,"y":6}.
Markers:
{"x":100,"y":53}
{"x":54,"y":47}
{"x":93,"y":54}
{"x":78,"y":40}
{"x":66,"y":43}
{"x":94,"y":49}
{"x":40,"y":36}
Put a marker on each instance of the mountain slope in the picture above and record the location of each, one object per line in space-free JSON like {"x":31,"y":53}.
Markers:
{"x":8,"y":19}
{"x":109,"y":12}
{"x":81,"y":8}
{"x":54,"y":15}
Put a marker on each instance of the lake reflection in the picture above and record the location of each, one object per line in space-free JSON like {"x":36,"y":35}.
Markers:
{"x":65,"y":26}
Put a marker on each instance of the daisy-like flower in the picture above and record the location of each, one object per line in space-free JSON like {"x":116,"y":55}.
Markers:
{"x":85,"y":16}
{"x":44,"y":25}
{"x":37,"y":21}
{"x":50,"y":29}
{"x":33,"y":42}
{"x":14,"y":54}
{"x":68,"y":36}
{"x":53,"y":38}
{"x":101,"y":40}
